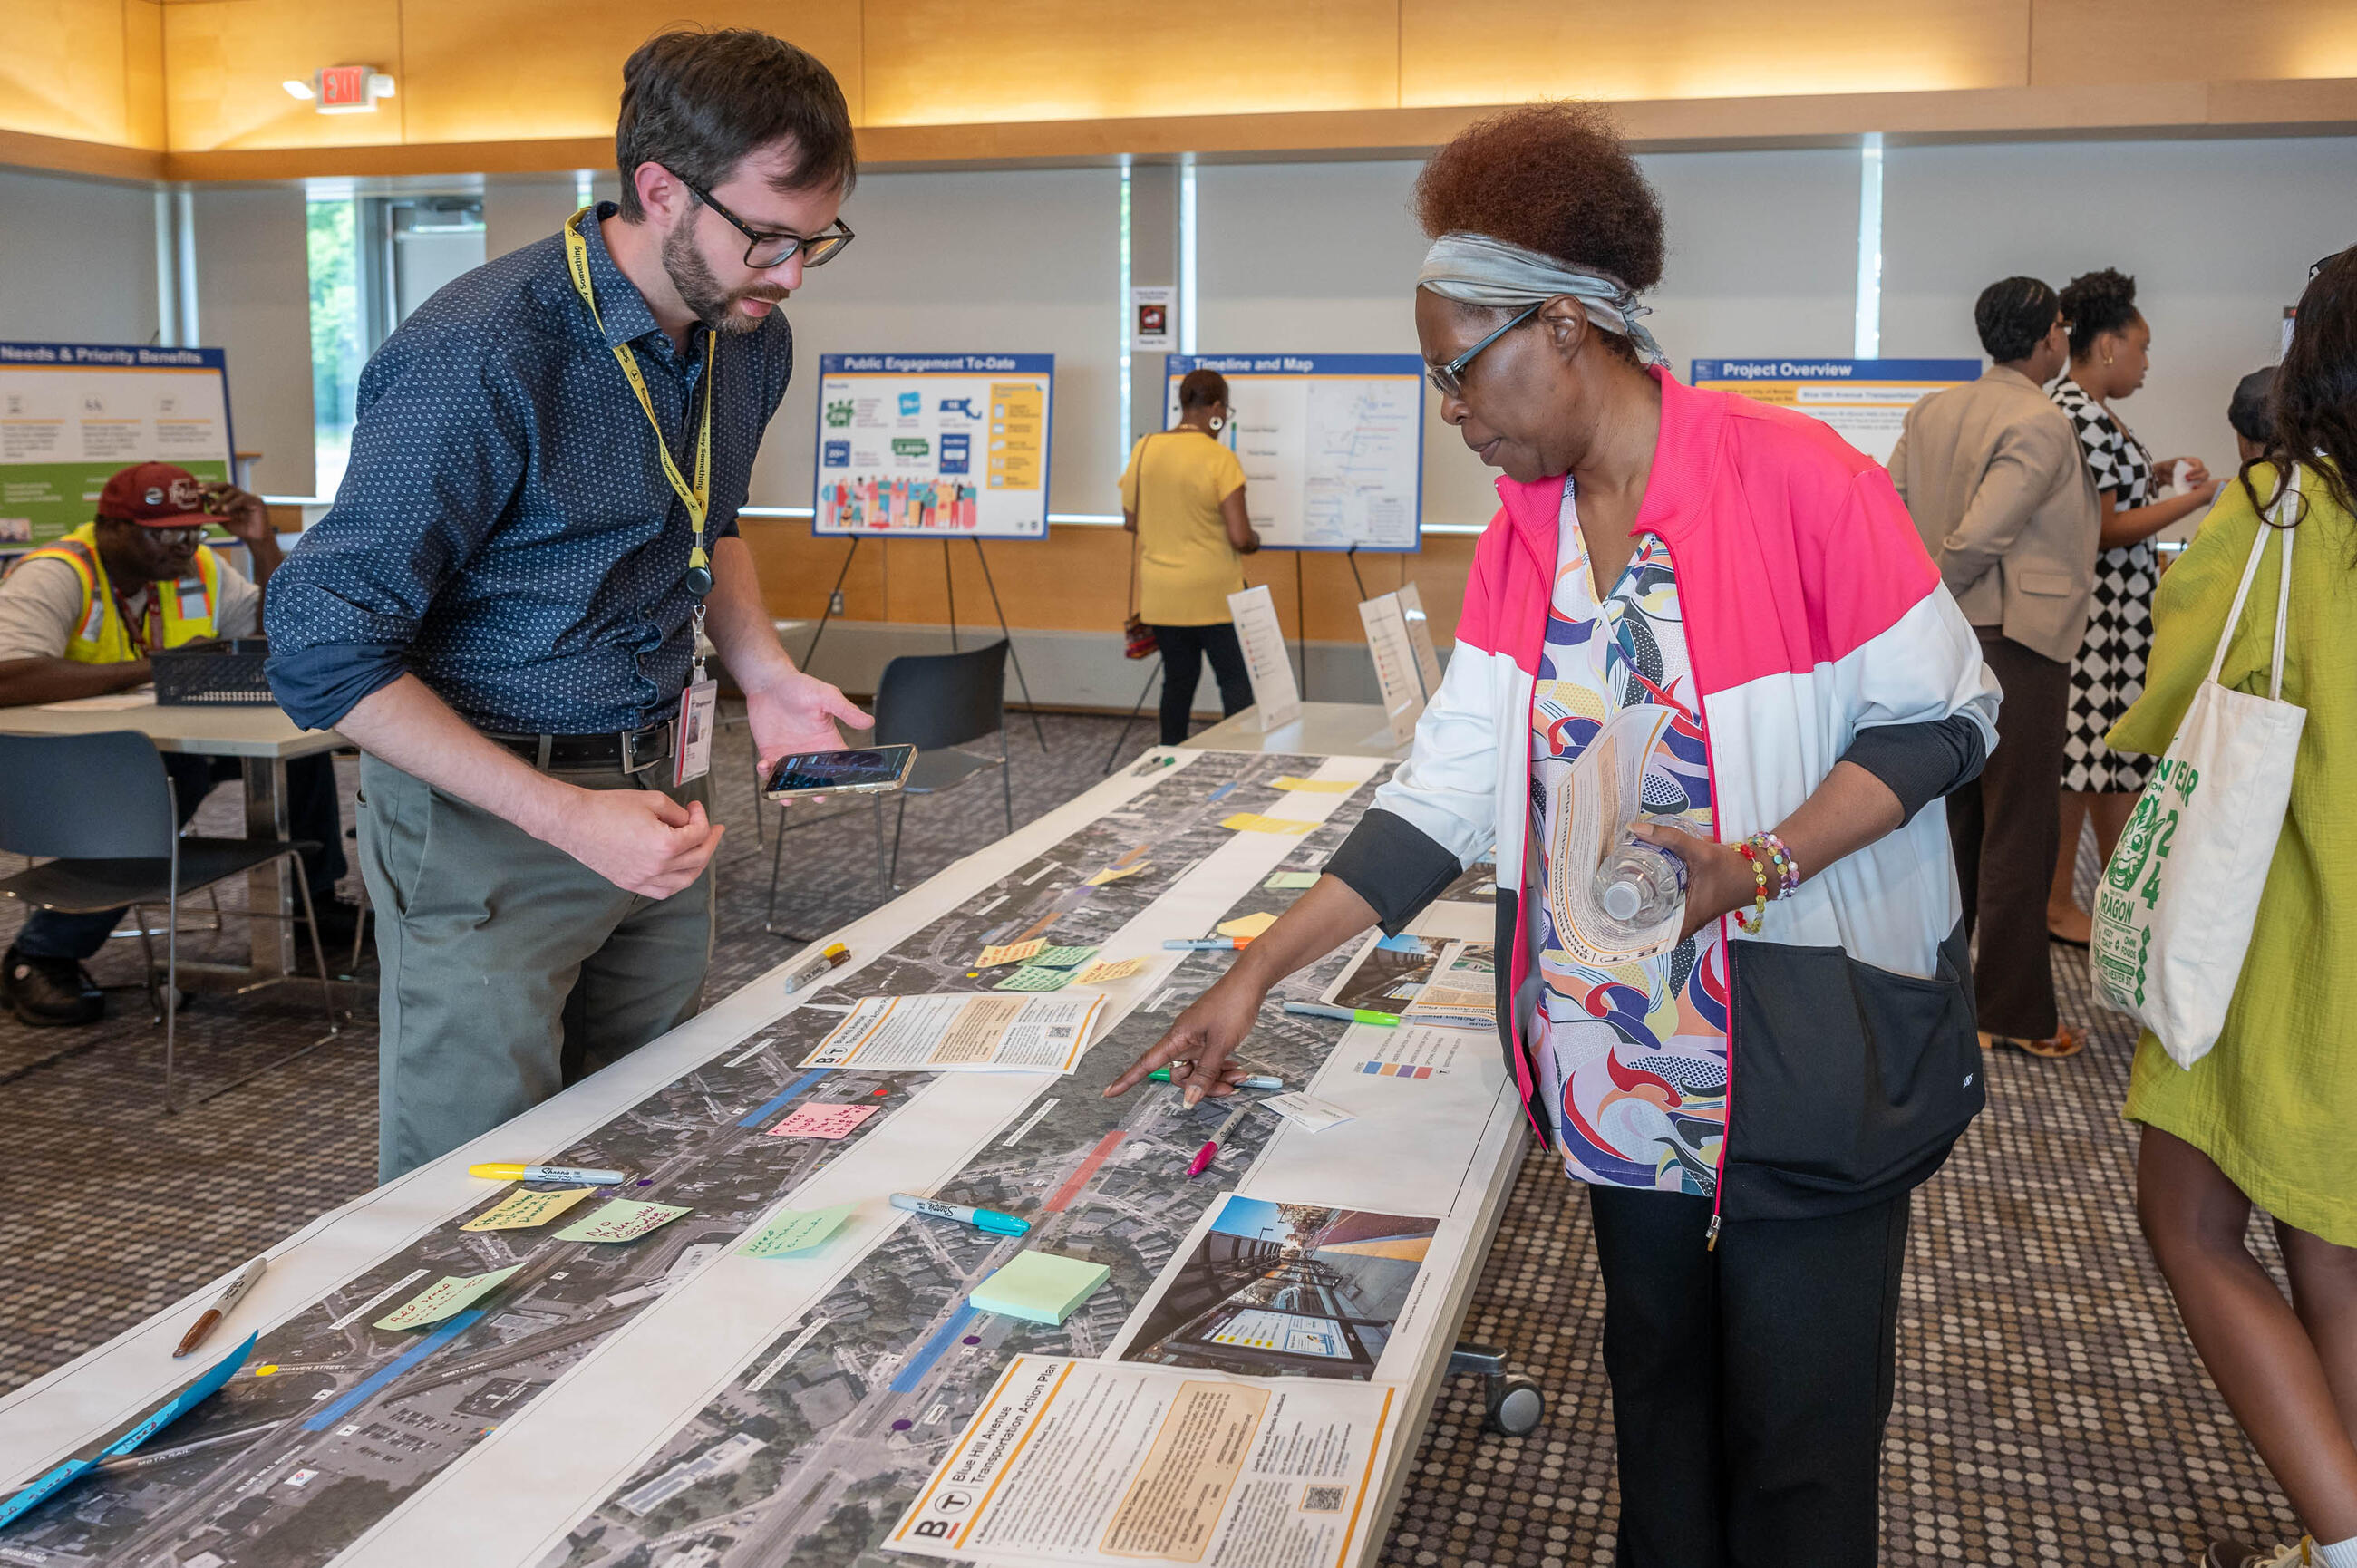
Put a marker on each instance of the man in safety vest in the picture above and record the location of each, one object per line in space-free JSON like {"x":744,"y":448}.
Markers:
{"x":77,"y":618}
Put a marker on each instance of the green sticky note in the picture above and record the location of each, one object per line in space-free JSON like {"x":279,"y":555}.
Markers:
{"x":1032,"y":977}
{"x":1062,"y":958}
{"x":1286,"y":879}
{"x":450,"y":1294}
{"x":796,"y":1230}
{"x":622,"y":1220}
{"x":1040,"y":1287}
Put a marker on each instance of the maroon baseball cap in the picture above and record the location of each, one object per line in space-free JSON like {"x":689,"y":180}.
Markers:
{"x":155,"y":495}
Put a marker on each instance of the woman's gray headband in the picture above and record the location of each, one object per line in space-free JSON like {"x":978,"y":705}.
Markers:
{"x":1475,"y":269}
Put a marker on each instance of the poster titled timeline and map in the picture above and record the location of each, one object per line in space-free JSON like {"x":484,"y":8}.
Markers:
{"x":1332,"y":444}
{"x":933,"y":444}
{"x":74,"y":413}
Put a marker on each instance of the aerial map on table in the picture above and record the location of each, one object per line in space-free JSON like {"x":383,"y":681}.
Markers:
{"x":804,"y":1438}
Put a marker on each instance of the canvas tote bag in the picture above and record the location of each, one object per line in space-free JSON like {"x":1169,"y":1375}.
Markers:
{"x":2175,"y":908}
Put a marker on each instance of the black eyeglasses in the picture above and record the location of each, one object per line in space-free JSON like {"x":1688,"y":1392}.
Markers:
{"x":1448,"y":378}
{"x":766,"y":251}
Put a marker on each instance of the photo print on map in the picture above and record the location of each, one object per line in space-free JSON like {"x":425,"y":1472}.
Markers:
{"x":1285,"y":1290}
{"x":1386,"y":973}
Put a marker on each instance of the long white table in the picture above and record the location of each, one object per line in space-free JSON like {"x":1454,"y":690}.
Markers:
{"x":1325,"y":729}
{"x":674,"y":1395}
{"x":264,"y":739}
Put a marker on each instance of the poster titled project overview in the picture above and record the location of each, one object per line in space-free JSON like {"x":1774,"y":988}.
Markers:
{"x":1332,"y":444}
{"x":934,"y":444}
{"x":1866,"y":400}
{"x":74,"y":413}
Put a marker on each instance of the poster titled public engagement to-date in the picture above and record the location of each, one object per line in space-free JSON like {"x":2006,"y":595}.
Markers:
{"x":74,"y":413}
{"x":934,"y":444}
{"x":1865,"y":400}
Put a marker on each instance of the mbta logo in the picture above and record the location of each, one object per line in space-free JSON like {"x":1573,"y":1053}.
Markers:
{"x":947,"y":1508}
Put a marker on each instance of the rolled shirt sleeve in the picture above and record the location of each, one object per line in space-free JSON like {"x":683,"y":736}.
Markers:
{"x":431,"y":473}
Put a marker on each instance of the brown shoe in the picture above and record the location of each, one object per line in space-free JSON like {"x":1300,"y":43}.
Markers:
{"x":2064,"y":1042}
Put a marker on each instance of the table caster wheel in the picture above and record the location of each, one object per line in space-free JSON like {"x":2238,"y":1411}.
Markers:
{"x":1517,"y":1405}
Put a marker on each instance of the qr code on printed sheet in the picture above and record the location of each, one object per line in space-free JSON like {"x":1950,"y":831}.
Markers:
{"x":1321,"y":1499}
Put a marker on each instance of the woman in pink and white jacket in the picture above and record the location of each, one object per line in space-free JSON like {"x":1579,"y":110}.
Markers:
{"x":1719,"y":608}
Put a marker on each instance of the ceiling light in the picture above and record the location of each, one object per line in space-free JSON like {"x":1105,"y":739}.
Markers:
{"x":297,"y":89}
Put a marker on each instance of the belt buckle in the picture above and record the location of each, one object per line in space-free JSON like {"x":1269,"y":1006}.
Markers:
{"x":630,"y":739}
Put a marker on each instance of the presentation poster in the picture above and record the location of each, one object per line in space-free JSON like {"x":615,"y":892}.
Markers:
{"x":74,"y":413}
{"x":1865,"y":400}
{"x":934,"y":444}
{"x":1332,"y":444}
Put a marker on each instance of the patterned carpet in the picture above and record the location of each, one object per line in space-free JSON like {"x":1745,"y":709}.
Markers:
{"x":2050,"y":1408}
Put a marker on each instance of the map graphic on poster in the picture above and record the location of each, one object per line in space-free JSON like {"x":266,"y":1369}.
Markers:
{"x":74,"y":413}
{"x":1332,"y":444}
{"x":1865,"y":400}
{"x":933,"y":444}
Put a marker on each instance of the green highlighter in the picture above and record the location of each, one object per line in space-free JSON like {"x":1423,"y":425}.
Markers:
{"x":1343,"y":1015}
{"x":1040,"y":1287}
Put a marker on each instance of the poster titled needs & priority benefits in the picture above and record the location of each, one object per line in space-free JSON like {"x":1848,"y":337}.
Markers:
{"x":74,"y":413}
{"x":934,"y":444}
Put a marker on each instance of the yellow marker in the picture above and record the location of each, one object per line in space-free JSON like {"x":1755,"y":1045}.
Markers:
{"x":545,"y":1173}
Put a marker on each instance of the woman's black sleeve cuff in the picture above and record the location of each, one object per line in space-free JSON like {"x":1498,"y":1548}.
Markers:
{"x":1921,"y":763}
{"x":1395,"y":865}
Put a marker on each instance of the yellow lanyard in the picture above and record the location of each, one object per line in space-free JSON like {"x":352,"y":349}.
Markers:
{"x":698,"y":498}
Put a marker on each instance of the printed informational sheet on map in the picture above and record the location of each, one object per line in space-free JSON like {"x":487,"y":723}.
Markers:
{"x":1332,"y":444}
{"x":933,"y":444}
{"x":1866,"y":401}
{"x":961,"y":1032}
{"x":1072,"y":1461}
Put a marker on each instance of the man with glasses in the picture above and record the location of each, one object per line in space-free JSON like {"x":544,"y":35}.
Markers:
{"x":78,"y":620}
{"x":502,"y":606}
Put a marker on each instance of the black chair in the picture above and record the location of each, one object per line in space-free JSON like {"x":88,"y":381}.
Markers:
{"x":937,"y":703}
{"x":103,"y":806}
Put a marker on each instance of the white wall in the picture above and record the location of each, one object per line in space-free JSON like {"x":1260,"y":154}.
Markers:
{"x":1012,"y":261}
{"x":77,"y":259}
{"x":2218,"y":236}
{"x":1323,"y":258}
{"x":253,"y":303}
{"x":520,"y":208}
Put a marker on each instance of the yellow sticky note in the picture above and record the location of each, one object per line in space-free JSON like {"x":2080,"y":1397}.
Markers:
{"x":1013,"y":952}
{"x":1318,"y":786}
{"x":1101,"y":877}
{"x":1100,"y":974}
{"x":1246,"y":926}
{"x":796,"y":1230}
{"x":521,"y":1210}
{"x":451,"y":1292}
{"x":1253,"y":823}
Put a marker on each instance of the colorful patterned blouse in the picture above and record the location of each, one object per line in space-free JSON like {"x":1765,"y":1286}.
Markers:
{"x":1634,"y":1062}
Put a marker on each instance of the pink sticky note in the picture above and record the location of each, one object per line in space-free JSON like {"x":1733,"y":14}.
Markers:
{"x":828,"y":1122}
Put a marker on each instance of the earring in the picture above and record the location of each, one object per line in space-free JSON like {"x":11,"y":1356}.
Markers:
{"x":2108,"y":359}
{"x":1217,"y":423}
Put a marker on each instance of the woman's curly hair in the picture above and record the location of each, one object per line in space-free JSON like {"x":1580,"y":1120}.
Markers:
{"x":2096,"y":303}
{"x":1552,"y":177}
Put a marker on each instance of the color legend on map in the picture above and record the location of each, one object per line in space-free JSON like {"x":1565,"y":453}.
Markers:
{"x":1393,"y":1069}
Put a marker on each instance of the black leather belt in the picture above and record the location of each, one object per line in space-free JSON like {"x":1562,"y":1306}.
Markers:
{"x":631,"y":751}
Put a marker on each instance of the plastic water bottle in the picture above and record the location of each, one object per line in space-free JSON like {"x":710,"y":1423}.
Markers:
{"x":1641,"y":885}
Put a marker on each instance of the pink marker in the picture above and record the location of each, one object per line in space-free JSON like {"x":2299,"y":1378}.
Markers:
{"x":1210,"y":1149}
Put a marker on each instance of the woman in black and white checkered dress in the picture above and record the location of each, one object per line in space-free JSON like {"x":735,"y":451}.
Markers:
{"x":2110,"y":351}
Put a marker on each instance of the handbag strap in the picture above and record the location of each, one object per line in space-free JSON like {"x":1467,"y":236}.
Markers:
{"x":2243,"y":591}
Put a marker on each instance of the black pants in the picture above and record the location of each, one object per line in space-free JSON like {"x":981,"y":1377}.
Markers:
{"x":2007,"y":828}
{"x":1749,"y":1384}
{"x":311,"y":814}
{"x":1184,"y":649}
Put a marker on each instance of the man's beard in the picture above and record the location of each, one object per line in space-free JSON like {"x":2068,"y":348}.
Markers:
{"x":702,"y":293}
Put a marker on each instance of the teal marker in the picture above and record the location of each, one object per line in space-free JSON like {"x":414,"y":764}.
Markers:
{"x":1346,"y":1014}
{"x":988,"y":1219}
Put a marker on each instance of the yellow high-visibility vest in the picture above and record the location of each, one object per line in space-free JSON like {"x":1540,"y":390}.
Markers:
{"x":177,"y":612}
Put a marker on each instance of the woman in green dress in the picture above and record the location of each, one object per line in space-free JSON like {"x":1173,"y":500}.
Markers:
{"x":2269,"y":1117}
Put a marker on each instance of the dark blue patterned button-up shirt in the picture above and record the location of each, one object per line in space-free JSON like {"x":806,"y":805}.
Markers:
{"x":504,"y":532}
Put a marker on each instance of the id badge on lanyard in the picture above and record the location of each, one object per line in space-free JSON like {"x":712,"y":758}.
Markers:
{"x":691,"y":748}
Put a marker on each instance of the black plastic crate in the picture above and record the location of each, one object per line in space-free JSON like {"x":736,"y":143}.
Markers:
{"x":226,"y":674}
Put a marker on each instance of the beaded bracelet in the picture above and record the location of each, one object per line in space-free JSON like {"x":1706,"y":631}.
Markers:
{"x":1751,"y":923}
{"x":1788,"y":868}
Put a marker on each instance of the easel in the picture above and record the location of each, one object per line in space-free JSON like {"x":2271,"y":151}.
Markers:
{"x":950,"y":583}
{"x":1301,"y":617}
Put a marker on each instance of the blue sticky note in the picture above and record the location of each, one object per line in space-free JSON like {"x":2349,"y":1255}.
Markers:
{"x":187,"y":1400}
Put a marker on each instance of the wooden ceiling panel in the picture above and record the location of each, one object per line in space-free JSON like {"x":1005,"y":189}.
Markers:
{"x":2193,"y":40}
{"x":64,"y":72}
{"x":224,"y":60}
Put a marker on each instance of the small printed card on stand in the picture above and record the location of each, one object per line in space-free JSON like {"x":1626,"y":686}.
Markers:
{"x":1276,"y":700}
{"x":1395,"y":664}
{"x":1419,"y":636}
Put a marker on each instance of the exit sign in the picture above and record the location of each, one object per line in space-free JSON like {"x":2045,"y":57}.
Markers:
{"x":345,"y":87}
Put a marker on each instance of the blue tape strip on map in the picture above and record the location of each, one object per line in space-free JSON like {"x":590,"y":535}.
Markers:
{"x":443,"y":1334}
{"x":784,"y":1095}
{"x":913,"y":1371}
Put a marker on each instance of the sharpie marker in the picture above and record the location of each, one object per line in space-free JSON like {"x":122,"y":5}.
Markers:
{"x":1204,"y":944}
{"x":221,"y":1308}
{"x":547,"y":1173}
{"x":833,"y":956}
{"x":1345,"y":1014}
{"x":1257,"y":1080}
{"x":1210,"y":1149}
{"x":988,"y":1219}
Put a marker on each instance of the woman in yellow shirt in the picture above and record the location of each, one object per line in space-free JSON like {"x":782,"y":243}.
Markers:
{"x":1183,"y":496}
